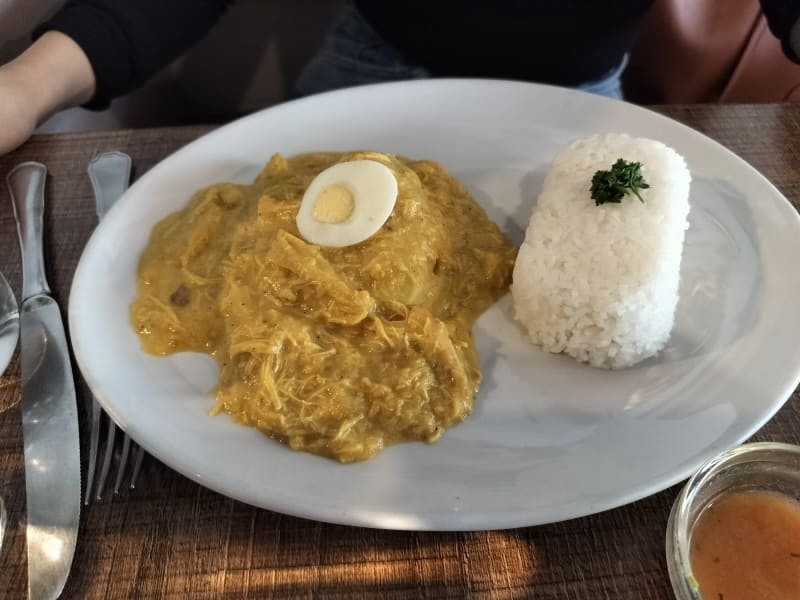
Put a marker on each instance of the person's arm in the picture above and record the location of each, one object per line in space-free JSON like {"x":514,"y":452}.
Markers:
{"x":92,"y":51}
{"x":52,"y":74}
{"x":783,"y":17}
{"x":128,"y":41}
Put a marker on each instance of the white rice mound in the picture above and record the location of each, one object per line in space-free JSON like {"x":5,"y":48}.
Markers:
{"x":600,"y":283}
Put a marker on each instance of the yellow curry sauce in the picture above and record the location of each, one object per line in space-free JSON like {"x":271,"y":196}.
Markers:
{"x":335,"y":351}
{"x":746,"y":546}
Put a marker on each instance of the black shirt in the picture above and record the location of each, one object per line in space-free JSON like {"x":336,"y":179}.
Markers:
{"x":565,"y":42}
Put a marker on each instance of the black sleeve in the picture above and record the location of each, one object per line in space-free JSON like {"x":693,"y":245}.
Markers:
{"x":781,"y":16}
{"x":127,"y":41}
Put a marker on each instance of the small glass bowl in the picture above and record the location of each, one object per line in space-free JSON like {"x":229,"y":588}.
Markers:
{"x":767,"y":466}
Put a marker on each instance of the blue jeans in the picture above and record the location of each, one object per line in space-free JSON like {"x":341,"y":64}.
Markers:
{"x":353,"y":53}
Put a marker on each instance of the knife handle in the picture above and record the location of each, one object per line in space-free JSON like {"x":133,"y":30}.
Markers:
{"x":26,"y":185}
{"x":110,"y":174}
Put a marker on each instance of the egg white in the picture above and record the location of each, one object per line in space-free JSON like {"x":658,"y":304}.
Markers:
{"x":373,"y":187}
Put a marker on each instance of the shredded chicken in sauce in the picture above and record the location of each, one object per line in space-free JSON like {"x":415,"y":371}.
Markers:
{"x":335,"y":351}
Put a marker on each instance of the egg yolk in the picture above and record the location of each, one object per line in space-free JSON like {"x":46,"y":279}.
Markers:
{"x":334,"y":204}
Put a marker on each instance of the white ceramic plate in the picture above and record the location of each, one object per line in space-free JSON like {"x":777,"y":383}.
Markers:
{"x":549,"y":439}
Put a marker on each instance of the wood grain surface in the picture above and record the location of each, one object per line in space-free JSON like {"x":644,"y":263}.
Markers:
{"x":171,"y":538}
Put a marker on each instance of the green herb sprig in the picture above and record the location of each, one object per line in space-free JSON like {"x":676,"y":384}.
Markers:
{"x":623,"y":178}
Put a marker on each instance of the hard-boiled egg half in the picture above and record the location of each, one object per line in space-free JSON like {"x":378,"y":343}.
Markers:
{"x":347,"y":203}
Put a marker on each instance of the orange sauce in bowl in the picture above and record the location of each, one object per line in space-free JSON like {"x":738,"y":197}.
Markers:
{"x":747,"y":546}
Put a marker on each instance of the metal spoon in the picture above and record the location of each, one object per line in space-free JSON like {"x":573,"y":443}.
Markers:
{"x":9,"y":332}
{"x":2,"y":520}
{"x":9,"y":323}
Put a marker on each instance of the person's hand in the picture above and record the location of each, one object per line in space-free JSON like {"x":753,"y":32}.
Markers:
{"x":17,"y":113}
{"x":52,"y":74}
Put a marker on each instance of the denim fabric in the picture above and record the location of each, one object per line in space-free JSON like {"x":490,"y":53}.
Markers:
{"x":353,"y":53}
{"x":610,"y":85}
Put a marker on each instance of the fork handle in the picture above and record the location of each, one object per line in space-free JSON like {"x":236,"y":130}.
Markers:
{"x":26,"y":185}
{"x":110,"y":174}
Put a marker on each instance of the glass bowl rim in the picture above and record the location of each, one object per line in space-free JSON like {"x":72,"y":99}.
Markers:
{"x":684,"y":585}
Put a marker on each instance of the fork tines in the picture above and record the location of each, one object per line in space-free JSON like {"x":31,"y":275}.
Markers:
{"x":108,"y":456}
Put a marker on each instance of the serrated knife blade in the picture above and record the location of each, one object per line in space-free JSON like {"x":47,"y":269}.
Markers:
{"x":49,"y":406}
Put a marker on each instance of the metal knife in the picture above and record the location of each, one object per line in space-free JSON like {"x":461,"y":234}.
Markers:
{"x":49,"y":407}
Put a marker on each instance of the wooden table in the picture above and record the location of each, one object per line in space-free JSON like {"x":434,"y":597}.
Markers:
{"x":171,"y":538}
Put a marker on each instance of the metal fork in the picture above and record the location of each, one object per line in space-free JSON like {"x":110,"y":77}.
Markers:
{"x":110,"y":175}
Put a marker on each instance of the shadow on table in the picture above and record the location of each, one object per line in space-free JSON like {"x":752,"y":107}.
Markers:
{"x":186,"y":541}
